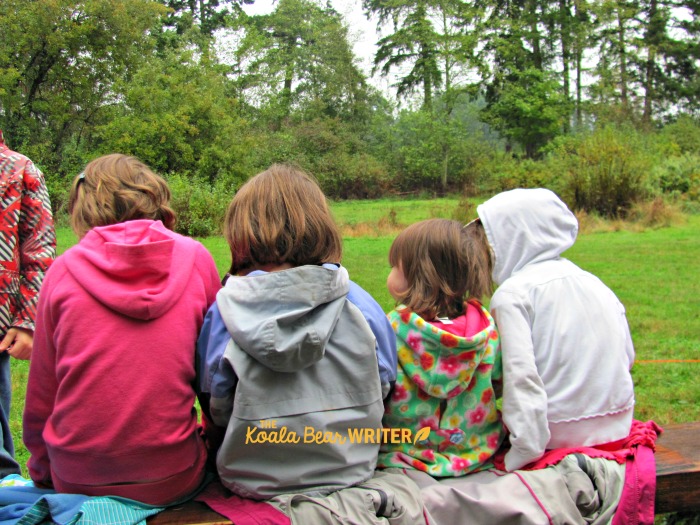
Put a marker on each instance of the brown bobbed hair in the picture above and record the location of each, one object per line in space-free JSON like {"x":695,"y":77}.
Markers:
{"x":444,"y":264}
{"x":281,"y":216}
{"x":117,"y":188}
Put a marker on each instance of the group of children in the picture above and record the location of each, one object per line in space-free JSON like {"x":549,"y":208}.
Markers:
{"x":292,"y":357}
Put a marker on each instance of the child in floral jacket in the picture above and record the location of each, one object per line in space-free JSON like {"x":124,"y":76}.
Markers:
{"x":448,"y":352}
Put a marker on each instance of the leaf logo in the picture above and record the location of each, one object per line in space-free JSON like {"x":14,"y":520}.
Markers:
{"x":421,"y":435}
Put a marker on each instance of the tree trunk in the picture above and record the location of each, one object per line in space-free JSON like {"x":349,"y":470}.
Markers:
{"x":445,"y":165}
{"x":565,"y":34}
{"x":579,"y":45}
{"x":622,"y":54}
{"x":652,"y":40}
{"x":535,"y":35}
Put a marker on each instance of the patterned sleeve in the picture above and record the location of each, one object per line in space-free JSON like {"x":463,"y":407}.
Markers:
{"x":37,"y":244}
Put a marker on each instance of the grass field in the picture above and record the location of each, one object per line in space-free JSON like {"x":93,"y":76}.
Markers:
{"x":654,"y":272}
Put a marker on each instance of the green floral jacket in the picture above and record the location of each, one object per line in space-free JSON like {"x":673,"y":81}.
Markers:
{"x":444,"y":382}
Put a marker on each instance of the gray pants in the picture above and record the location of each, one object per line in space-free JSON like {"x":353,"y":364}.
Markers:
{"x":387,"y":498}
{"x":577,"y":491}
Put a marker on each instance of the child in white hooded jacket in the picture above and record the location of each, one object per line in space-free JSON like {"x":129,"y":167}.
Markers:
{"x":565,"y":342}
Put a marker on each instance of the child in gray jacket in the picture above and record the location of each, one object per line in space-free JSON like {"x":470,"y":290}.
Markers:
{"x":293,"y":357}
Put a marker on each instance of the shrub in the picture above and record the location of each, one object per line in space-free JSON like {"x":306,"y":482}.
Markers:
{"x":345,"y":176}
{"x":465,"y":211}
{"x":59,"y":192}
{"x":656,"y":213}
{"x":679,"y":175}
{"x":604,"y":171}
{"x":684,"y":134}
{"x":510,"y":173}
{"x":199,"y":205}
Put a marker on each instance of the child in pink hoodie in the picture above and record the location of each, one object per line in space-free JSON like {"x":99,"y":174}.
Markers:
{"x":110,"y":402}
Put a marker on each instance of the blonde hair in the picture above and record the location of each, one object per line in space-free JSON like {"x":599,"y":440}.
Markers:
{"x":118,"y":188}
{"x":443,"y":265}
{"x":281,"y":216}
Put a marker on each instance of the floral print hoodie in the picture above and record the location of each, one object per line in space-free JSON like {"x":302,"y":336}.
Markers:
{"x":445,"y":383}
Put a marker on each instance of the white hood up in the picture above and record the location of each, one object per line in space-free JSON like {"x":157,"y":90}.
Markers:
{"x":526,"y":226}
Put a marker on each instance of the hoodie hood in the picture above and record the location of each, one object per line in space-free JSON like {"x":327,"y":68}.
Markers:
{"x":526,"y":226}
{"x":440,"y":363}
{"x":284,"y":319}
{"x":136,"y":268}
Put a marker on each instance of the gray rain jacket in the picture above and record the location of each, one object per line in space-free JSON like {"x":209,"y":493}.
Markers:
{"x":304,"y":375}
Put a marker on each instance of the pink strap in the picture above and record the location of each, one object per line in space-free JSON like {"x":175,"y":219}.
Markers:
{"x":636,"y":505}
{"x":239,"y":510}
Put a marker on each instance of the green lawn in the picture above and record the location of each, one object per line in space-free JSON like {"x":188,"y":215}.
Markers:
{"x":655,"y":274}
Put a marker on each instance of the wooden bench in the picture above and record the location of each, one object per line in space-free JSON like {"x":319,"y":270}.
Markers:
{"x":677,"y":481}
{"x":678,"y":469}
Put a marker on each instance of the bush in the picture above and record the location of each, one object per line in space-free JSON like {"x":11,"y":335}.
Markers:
{"x":332,"y":153}
{"x":199,"y":205}
{"x":684,"y":134}
{"x":59,"y":193}
{"x":679,"y":176}
{"x":605,"y":171}
{"x":656,"y":213}
{"x":527,"y":173}
{"x":345,"y":176}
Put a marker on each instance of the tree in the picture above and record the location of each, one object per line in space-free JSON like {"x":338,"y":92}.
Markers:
{"x":649,"y":57}
{"x":177,"y":116}
{"x":672,"y":62}
{"x":202,"y":19}
{"x":530,"y":109}
{"x":414,"y":41}
{"x":297,"y":60}
{"x":58,"y":70}
{"x":209,"y":15}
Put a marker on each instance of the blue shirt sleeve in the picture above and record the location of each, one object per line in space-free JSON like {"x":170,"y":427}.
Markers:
{"x":213,"y":377}
{"x":381,"y":327}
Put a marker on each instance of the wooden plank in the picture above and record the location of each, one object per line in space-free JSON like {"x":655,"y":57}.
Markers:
{"x":678,"y":469}
{"x":190,"y":513}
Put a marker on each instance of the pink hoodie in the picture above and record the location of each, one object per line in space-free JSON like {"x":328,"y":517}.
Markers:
{"x":110,"y":403}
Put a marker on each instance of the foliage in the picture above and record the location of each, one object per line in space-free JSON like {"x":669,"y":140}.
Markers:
{"x":604,"y":171}
{"x":58,"y":63}
{"x":176,"y":117}
{"x":679,"y":176}
{"x":511,"y":173}
{"x":209,"y":15}
{"x":529,"y":110}
{"x":436,"y":150}
{"x":647,"y":54}
{"x":200,"y":89}
{"x":684,"y":134}
{"x":199,"y":205}
{"x":414,"y":40}
{"x":329,"y":150}
{"x":298,"y":59}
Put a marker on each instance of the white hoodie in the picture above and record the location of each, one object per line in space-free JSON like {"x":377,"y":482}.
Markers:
{"x":565,"y":341}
